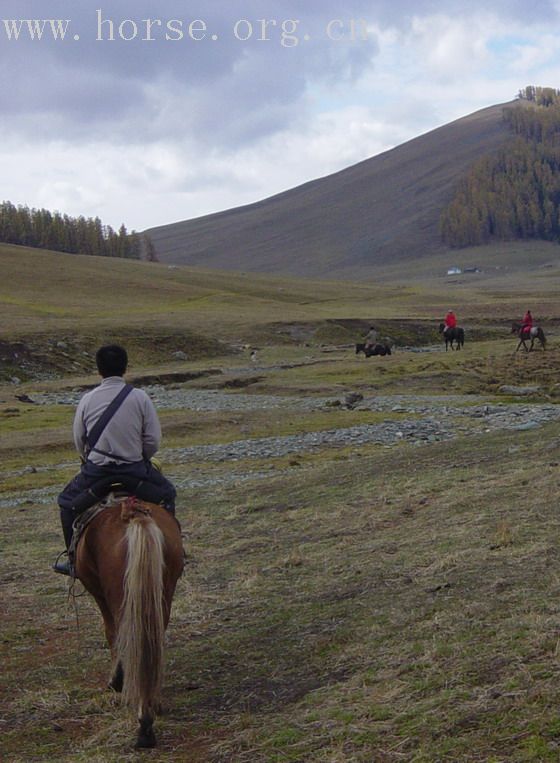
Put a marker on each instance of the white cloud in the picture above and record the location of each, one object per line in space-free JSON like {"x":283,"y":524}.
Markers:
{"x":449,"y":48}
{"x":152,"y":136}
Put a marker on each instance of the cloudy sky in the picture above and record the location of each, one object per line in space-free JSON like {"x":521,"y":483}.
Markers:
{"x":152,"y":111}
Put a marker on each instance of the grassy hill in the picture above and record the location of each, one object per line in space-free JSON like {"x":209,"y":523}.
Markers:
{"x":157,"y":310}
{"x":345,"y":225}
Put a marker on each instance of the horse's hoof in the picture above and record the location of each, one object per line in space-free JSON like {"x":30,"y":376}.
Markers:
{"x":145,"y":741}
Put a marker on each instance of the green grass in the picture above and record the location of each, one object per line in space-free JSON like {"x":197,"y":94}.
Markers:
{"x":45,"y":293}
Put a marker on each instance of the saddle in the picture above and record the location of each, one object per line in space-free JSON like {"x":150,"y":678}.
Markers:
{"x":104,"y":494}
{"x":91,"y":502}
{"x":145,"y":491}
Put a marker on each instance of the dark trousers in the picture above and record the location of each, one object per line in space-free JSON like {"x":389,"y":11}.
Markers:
{"x":90,"y":473}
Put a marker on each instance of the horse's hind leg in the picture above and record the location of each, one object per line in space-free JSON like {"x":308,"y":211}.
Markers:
{"x":117,"y":679}
{"x":117,"y":676}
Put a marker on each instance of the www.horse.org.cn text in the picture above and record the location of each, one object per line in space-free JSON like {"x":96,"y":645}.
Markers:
{"x":289,"y":33}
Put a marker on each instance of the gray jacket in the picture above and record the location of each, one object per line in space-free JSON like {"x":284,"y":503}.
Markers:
{"x":134,"y":432}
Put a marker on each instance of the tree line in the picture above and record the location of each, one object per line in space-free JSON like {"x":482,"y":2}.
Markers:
{"x":75,"y":235}
{"x":515,"y":192}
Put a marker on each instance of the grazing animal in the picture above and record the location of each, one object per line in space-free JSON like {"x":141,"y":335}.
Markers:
{"x":526,"y":334}
{"x":456,"y":334}
{"x":129,"y":558}
{"x":377,"y":349}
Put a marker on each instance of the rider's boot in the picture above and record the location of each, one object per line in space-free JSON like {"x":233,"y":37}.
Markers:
{"x":62,"y":563}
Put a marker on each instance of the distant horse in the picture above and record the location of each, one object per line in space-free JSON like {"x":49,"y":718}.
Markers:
{"x":453,"y":335}
{"x":129,"y":558}
{"x":377,"y":349}
{"x":535,"y":332}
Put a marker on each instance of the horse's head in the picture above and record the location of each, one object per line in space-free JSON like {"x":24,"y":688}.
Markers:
{"x":441,"y":327}
{"x":360,"y":347}
{"x":515,"y":328}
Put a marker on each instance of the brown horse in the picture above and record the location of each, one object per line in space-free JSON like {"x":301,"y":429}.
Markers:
{"x":376,"y":349}
{"x":456,"y":334}
{"x":130,"y":558}
{"x":524,"y":335}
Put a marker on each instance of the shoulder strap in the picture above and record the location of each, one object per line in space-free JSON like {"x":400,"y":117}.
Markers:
{"x":97,"y":430}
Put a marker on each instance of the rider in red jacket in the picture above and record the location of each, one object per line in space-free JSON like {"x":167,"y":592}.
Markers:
{"x":450,"y":321}
{"x":527,"y":324}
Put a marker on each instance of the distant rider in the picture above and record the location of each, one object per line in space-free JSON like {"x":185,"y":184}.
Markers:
{"x":450,"y":321}
{"x":370,"y":338}
{"x":125,"y":446}
{"x":527,"y":324}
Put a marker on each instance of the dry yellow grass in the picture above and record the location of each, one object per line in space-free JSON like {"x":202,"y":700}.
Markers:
{"x":367,"y":604}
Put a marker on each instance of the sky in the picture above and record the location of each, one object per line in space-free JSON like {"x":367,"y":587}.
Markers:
{"x":154,"y":111}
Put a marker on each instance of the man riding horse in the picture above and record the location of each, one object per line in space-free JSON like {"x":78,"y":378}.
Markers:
{"x":116,"y":432}
{"x":370,"y":339}
{"x":451,"y":332}
{"x":528,"y":331}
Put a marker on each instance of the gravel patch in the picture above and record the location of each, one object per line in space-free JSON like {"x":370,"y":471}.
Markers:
{"x":199,"y":400}
{"x":432,"y":419}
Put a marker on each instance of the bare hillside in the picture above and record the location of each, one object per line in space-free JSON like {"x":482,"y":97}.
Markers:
{"x":385,"y":208}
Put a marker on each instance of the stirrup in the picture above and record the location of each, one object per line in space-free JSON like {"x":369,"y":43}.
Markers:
{"x":63,"y":566}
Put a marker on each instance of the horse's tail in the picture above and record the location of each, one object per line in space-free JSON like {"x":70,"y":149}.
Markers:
{"x":141,"y":628}
{"x":542,"y":336}
{"x":461,"y":336}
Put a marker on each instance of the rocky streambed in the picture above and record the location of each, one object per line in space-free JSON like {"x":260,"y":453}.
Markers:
{"x":413,"y":419}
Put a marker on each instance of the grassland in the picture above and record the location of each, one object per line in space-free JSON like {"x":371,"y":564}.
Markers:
{"x":356,"y":605}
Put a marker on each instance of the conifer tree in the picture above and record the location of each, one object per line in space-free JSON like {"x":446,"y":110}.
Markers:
{"x":515,"y":193}
{"x":45,"y":230}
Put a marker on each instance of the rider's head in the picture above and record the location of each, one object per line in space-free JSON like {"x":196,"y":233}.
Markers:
{"x":111,"y":360}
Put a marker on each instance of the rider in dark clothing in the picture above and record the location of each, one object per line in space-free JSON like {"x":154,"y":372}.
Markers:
{"x":126,"y":444}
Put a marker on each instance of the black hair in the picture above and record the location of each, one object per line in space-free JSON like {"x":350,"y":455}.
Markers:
{"x":111,"y":360}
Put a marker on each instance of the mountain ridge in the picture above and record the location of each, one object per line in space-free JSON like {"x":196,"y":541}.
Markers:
{"x":383,"y":208}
